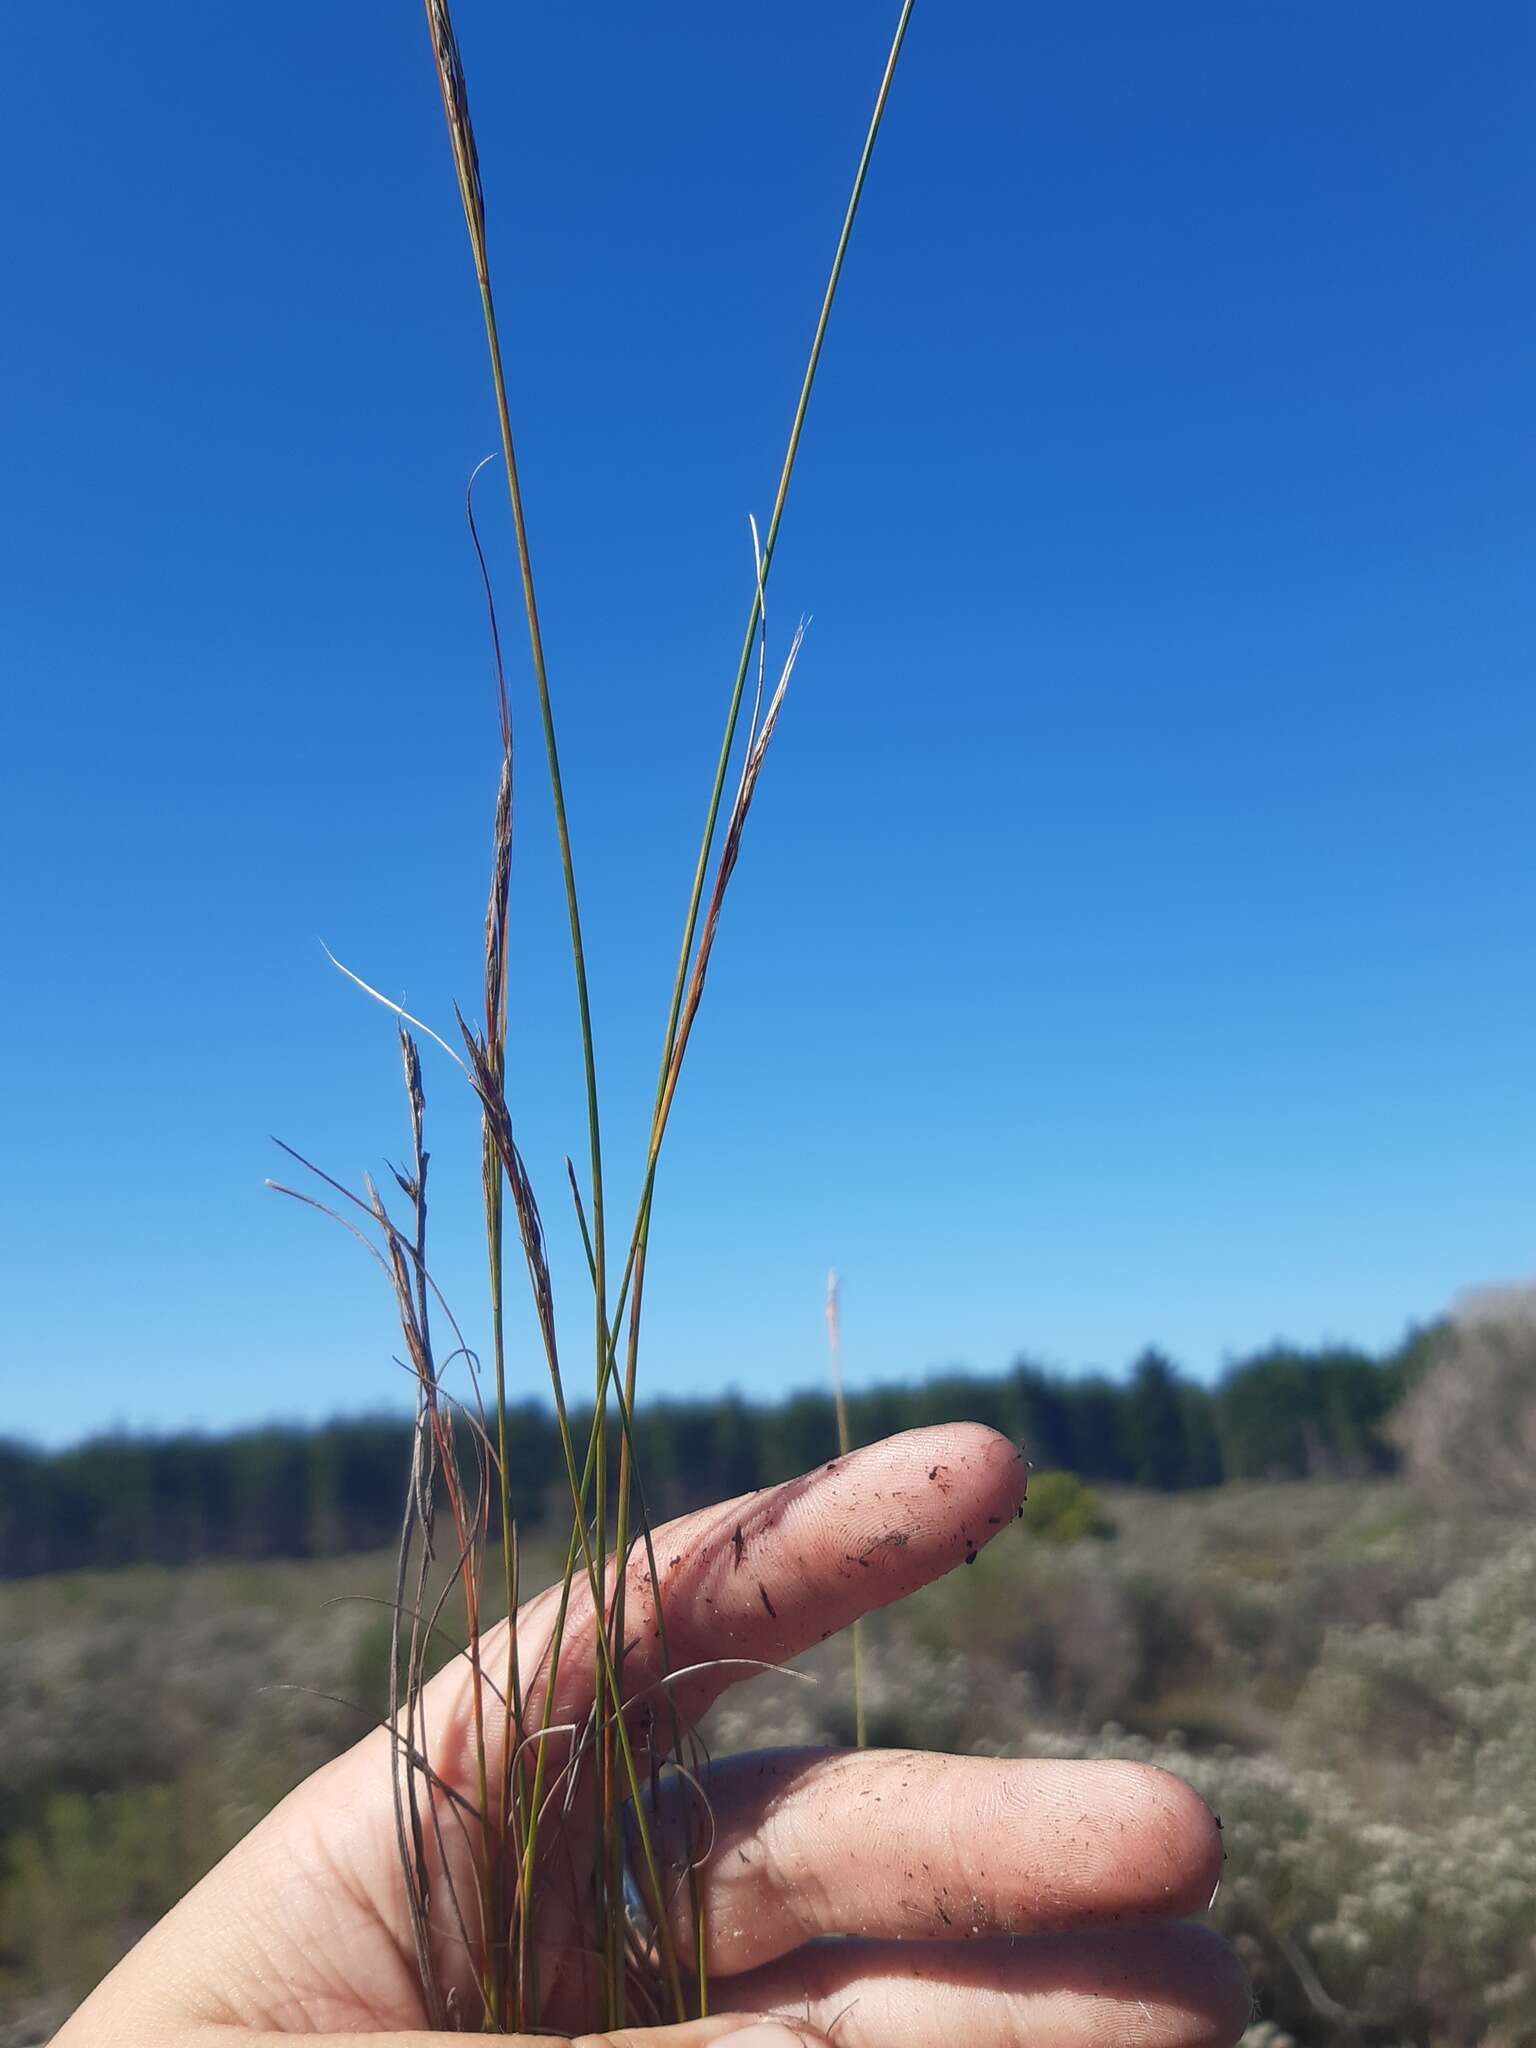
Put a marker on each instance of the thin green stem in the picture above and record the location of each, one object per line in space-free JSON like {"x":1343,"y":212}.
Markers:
{"x":557,"y":792}
{"x":770,"y":538}
{"x":640,"y":1233}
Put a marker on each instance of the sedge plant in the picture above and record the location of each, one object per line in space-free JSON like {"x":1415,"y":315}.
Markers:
{"x":551,"y":1877}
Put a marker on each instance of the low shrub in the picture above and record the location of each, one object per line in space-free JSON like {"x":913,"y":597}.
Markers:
{"x":1062,"y":1509}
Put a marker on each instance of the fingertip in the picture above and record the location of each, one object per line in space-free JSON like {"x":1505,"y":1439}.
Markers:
{"x":967,"y":1462}
{"x":931,"y":1499}
{"x":1189,"y":1835}
{"x":999,"y":1463}
{"x":979,"y":1472}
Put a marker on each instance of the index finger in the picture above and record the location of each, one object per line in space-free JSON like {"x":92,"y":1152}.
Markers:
{"x":760,"y":1578}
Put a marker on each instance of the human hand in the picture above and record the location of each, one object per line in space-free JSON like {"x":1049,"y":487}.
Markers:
{"x":887,"y":1899}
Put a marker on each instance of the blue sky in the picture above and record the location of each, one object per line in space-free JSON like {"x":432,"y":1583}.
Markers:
{"x":1133,"y":940}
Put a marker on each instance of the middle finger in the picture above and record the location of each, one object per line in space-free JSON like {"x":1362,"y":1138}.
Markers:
{"x":904,"y":1845}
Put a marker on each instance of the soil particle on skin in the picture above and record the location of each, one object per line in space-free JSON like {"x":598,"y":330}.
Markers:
{"x":893,"y":1539}
{"x":738,"y":1547}
{"x":773,"y":1612}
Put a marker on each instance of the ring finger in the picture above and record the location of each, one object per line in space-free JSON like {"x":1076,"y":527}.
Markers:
{"x":1134,"y":1987}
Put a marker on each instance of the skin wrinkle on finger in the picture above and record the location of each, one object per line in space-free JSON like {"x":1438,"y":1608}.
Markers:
{"x":1176,"y":1986}
{"x":904,"y":1844}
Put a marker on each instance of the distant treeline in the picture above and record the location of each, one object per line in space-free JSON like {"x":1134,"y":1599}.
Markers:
{"x":290,"y":1492}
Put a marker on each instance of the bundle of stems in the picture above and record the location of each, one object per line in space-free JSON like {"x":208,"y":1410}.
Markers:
{"x":549,"y":1875}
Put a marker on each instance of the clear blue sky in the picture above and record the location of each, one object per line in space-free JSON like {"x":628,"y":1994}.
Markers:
{"x":1134,"y":938}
